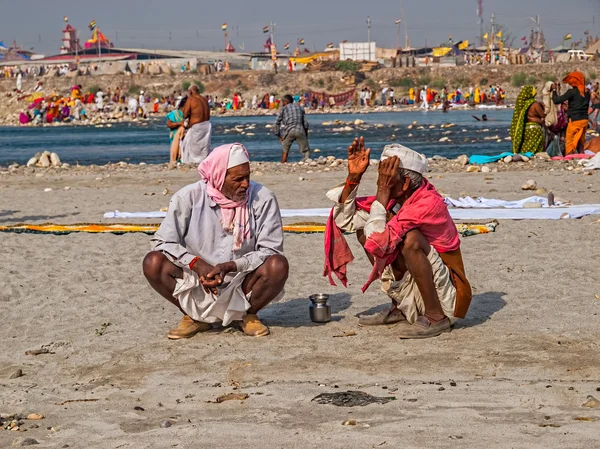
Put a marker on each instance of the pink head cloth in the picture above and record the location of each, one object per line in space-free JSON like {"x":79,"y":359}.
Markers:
{"x":234,"y":215}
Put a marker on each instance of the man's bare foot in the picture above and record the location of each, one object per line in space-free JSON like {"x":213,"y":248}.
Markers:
{"x":388,"y":316}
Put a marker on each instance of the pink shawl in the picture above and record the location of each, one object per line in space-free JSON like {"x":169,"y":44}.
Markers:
{"x":234,"y":215}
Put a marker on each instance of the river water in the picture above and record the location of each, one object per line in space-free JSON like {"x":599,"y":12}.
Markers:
{"x":134,"y":143}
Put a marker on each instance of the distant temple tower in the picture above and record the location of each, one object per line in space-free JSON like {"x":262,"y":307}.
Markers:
{"x":70,"y":43}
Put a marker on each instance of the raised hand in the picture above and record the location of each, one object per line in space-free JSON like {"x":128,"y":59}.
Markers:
{"x":358,"y":158}
{"x":388,"y":178}
{"x":388,"y":173}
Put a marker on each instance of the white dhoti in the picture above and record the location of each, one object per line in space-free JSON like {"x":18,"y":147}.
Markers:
{"x":195,"y":147}
{"x":408,"y":296}
{"x":230,"y":304}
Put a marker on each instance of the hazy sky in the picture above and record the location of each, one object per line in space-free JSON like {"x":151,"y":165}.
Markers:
{"x":196,"y":24}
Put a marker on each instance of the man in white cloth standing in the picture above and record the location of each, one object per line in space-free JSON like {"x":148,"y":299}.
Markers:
{"x":218,"y":255}
{"x":142,"y":103}
{"x":196,"y":112}
{"x":424,"y":99}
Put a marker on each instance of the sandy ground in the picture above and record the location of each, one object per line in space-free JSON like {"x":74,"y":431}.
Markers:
{"x":514,"y":373}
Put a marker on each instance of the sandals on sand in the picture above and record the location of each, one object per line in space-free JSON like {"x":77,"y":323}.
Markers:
{"x":423,"y":328}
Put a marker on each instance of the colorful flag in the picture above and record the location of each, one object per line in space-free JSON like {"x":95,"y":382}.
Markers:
{"x":524,"y":38}
{"x":568,"y":37}
{"x":224,"y":27}
{"x":268,"y":43}
{"x":286,"y":46}
{"x":463,"y":45}
{"x":345,"y":41}
{"x":92,"y":25}
{"x":266,"y":29}
{"x":301,"y":41}
{"x":66,"y":19}
{"x":485,"y":36}
{"x":398,"y":21}
{"x":499,"y":34}
{"x":330,"y":45}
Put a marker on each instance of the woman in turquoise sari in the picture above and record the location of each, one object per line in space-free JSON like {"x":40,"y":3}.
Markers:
{"x":175,"y":123}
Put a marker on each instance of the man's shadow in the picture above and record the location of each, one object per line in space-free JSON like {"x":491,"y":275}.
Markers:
{"x":295,"y":312}
{"x":483,"y":306}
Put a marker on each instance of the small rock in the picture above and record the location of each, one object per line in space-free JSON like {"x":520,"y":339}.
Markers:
{"x":31,"y":162}
{"x":359,"y":122}
{"x":350,"y":422}
{"x":591,"y":402}
{"x":517,"y":158}
{"x":55,"y":160}
{"x":25,"y":442}
{"x":530,"y":184}
{"x":524,"y":158}
{"x":313,"y":164}
{"x":485,"y":169}
{"x":48,"y":189}
{"x":166,"y":424}
{"x":463,"y":159}
{"x":166,"y":192}
{"x":508,"y":159}
{"x":472,"y":169}
{"x":35,"y":416}
{"x":18,"y":373}
{"x":301,"y":178}
{"x":45,"y":160}
{"x":541,"y":191}
{"x":99,"y":178}
{"x":316,"y":150}
{"x":67,"y":188}
{"x":142,"y":164}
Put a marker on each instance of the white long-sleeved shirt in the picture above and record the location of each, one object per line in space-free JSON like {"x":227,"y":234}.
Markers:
{"x":193,"y":228}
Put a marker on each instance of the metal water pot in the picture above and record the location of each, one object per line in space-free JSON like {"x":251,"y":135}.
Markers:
{"x":319,"y":310}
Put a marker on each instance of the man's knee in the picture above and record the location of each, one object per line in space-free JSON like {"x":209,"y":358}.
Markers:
{"x":276,"y":269}
{"x":152,"y":264}
{"x":413,"y":243}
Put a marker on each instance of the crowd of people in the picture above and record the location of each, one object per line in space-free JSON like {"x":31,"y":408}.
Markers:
{"x":559,"y":123}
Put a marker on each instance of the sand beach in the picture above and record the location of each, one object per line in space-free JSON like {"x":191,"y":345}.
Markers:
{"x":514,"y":373}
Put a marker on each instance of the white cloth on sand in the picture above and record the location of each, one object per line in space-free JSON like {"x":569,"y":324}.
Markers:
{"x":591,"y":164}
{"x":407,"y":295}
{"x":195,"y":146}
{"x":467,"y":202}
{"x":230,"y":304}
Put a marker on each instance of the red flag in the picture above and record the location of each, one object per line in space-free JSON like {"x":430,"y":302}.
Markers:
{"x":524,"y":38}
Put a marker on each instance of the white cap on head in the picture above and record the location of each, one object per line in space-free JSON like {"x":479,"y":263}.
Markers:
{"x":409,"y":159}
{"x":141,"y":92}
{"x":237,"y":156}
